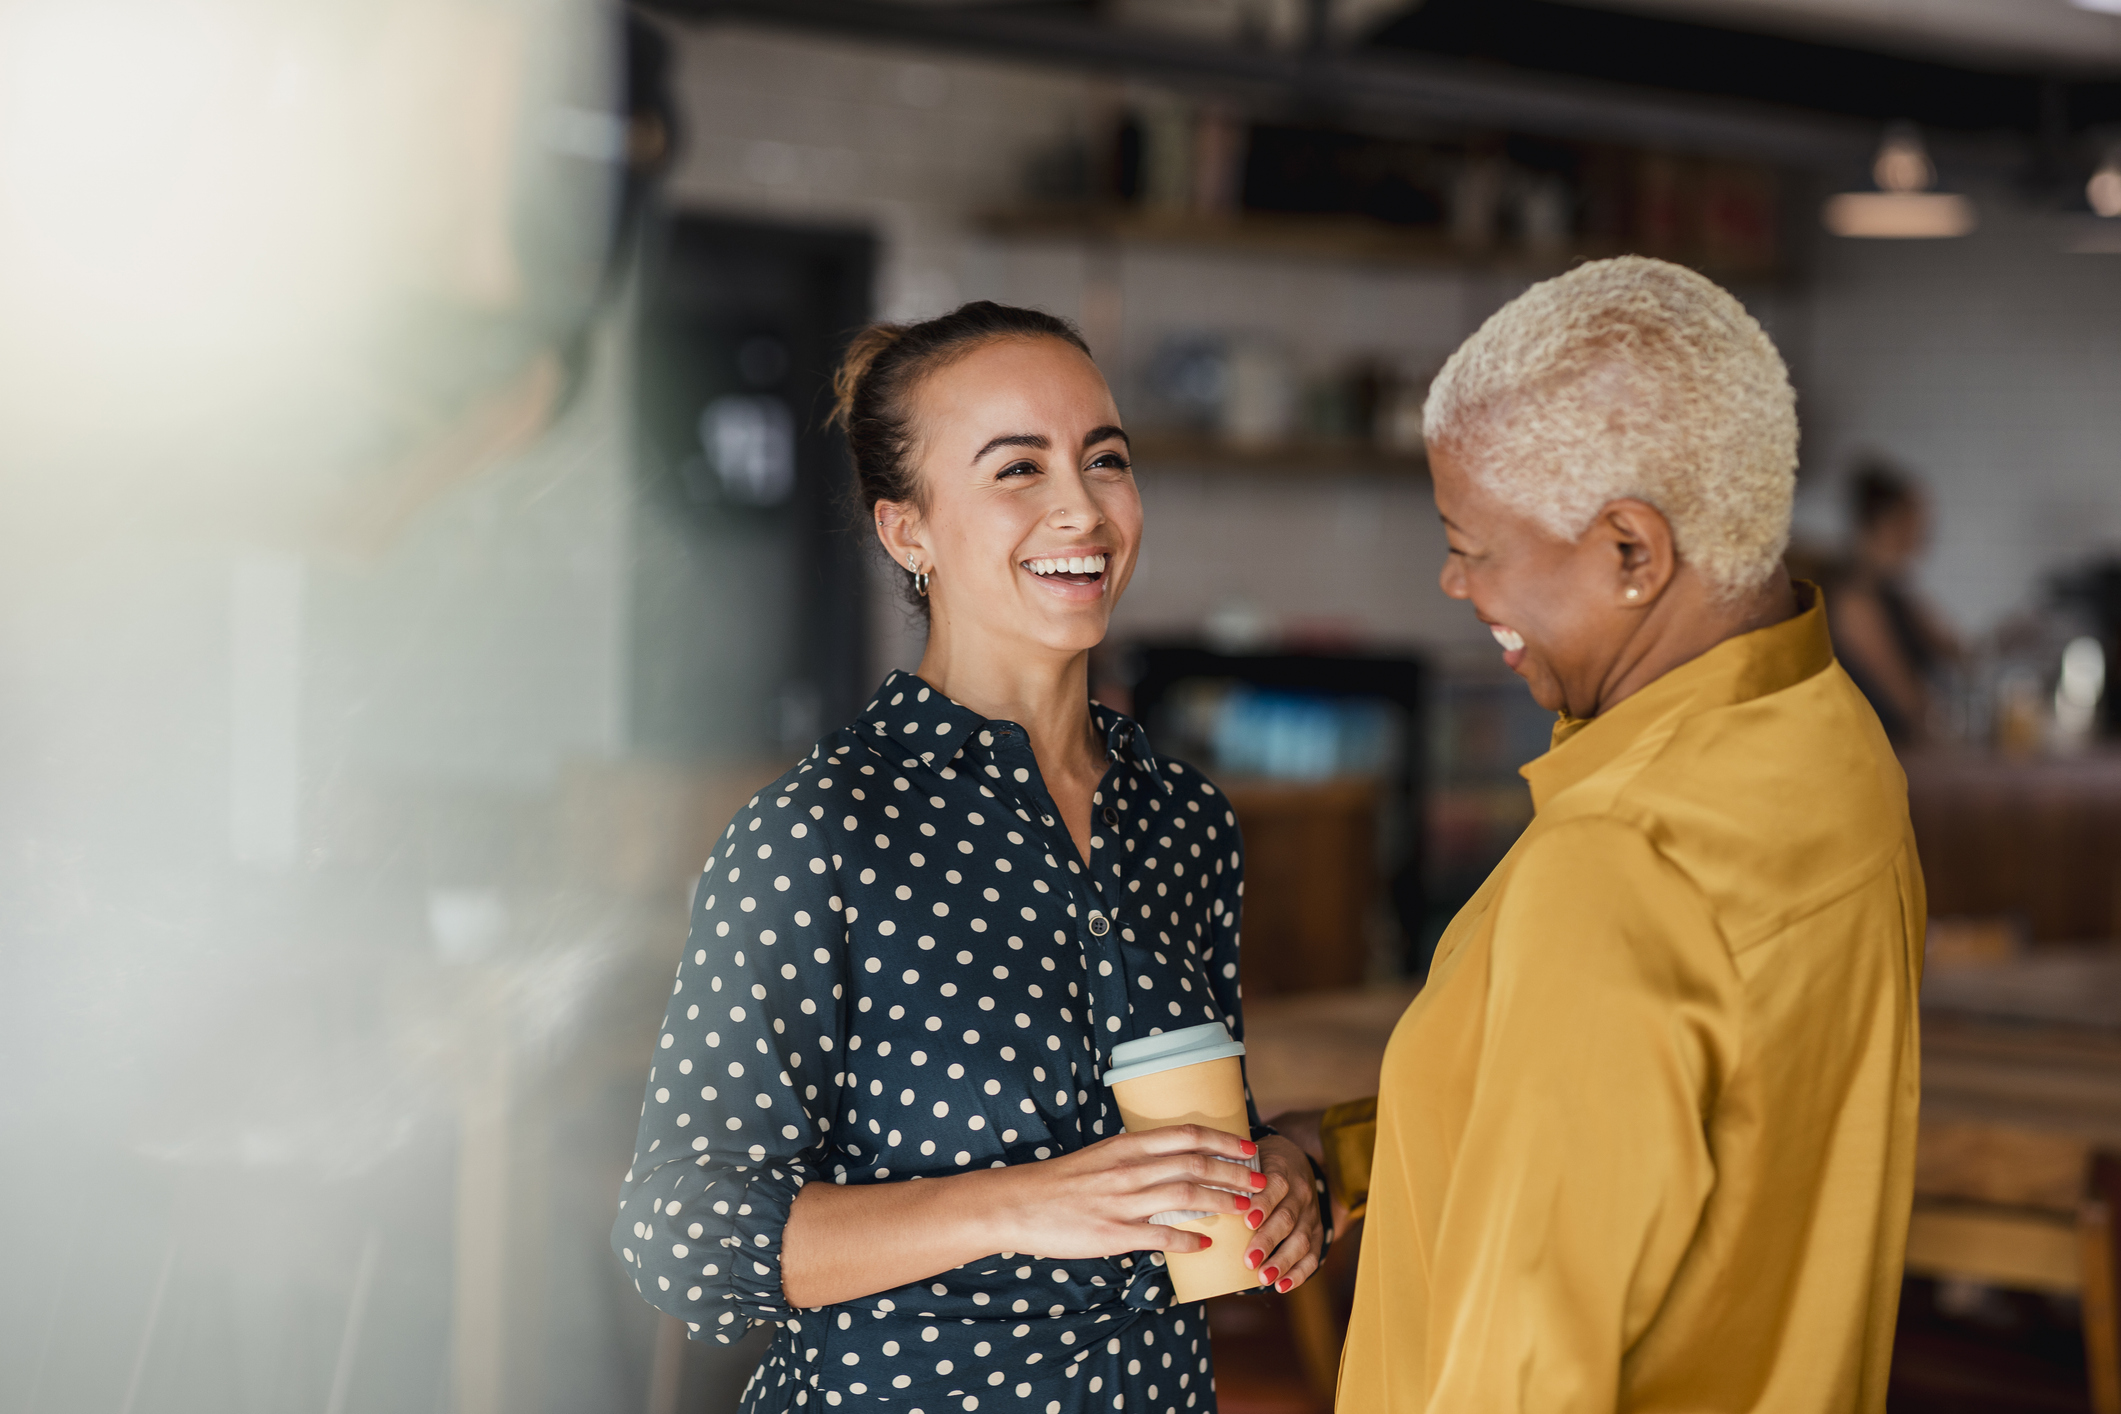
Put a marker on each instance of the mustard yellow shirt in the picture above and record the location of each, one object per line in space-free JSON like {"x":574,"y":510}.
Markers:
{"x":1645,"y":1141}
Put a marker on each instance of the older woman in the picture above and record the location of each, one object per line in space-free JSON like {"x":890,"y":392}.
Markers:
{"x":1645,"y":1140}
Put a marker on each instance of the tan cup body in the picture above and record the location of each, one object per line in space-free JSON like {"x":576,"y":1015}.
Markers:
{"x":1210,"y":1093}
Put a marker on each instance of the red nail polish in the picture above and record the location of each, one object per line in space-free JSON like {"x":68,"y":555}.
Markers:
{"x":1255,"y":1218}
{"x":1286,"y":1283}
{"x":1243,"y":1202}
{"x":1259,"y":1180}
{"x":1269,"y":1274}
{"x":1206,"y":1242}
{"x":1249,"y":1147}
{"x":1253,"y":1259}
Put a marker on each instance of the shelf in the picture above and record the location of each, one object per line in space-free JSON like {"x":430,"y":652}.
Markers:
{"x":1346,"y":239}
{"x":1341,"y":238}
{"x":1166,"y":451}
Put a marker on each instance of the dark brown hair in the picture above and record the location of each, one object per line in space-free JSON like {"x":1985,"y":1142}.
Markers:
{"x":1878,"y":489}
{"x":873,"y":389}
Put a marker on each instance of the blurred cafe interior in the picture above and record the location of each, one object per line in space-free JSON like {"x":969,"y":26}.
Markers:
{"x":422,"y":533}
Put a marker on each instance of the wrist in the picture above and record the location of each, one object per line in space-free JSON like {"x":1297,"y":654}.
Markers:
{"x":988,"y":1209}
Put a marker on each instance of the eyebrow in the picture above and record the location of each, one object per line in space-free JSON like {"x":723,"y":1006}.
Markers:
{"x":1014,"y":439}
{"x":1043,"y":444}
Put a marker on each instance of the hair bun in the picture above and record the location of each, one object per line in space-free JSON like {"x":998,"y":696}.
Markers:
{"x":862,"y":353}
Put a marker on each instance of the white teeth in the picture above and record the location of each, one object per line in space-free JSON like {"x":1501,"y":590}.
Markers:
{"x":1073,"y":564}
{"x":1510,"y":639}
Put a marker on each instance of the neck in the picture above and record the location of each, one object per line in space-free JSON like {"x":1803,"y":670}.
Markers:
{"x":1687,"y":621}
{"x":1045,"y":693}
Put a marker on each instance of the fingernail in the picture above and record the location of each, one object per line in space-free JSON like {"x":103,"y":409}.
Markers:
{"x":1249,"y":1147}
{"x":1268,"y":1274}
{"x":1259,"y":1180}
{"x":1206,"y":1242}
{"x":1242,"y":1202}
{"x":1286,"y":1283}
{"x":1256,"y":1217}
{"x":1253,"y":1259}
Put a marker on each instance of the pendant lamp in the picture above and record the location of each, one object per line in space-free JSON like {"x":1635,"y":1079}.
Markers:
{"x":1903,"y":207}
{"x":2103,"y":191}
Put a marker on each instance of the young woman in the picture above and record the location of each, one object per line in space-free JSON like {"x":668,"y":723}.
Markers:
{"x":875,"y":1116}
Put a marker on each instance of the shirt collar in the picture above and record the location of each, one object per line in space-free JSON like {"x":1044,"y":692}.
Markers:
{"x":1736,"y":670}
{"x":1127,"y":744}
{"x":923,"y":723}
{"x":931,"y":728}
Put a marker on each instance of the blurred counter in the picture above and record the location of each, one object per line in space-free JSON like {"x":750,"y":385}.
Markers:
{"x":2035,"y":840}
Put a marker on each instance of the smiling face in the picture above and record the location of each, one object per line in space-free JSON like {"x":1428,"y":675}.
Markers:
{"x":1029,"y":521}
{"x":1557,"y":607}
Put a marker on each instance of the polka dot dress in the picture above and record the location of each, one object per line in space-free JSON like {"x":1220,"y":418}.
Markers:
{"x":899,"y":967}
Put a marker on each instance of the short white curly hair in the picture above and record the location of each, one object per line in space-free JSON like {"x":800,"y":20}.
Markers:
{"x":1637,"y":378}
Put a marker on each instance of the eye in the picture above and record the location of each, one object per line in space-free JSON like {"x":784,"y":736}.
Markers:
{"x":1111,"y":461}
{"x":1017,"y":469}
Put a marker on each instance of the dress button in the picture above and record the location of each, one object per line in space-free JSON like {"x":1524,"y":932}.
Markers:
{"x":1111,"y":816}
{"x":1098,"y":925}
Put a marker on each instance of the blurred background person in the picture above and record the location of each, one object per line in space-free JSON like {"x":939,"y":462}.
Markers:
{"x":1890,"y":640}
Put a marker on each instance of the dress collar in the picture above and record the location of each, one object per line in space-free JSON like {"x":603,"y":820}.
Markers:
{"x":931,"y":729}
{"x":1736,"y":670}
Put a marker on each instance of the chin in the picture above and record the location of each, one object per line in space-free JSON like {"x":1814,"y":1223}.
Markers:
{"x":1545,"y":691}
{"x":1074,"y":633}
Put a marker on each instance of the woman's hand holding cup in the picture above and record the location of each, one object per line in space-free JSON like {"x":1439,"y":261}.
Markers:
{"x":1287,"y":1231}
{"x":1097,"y":1201}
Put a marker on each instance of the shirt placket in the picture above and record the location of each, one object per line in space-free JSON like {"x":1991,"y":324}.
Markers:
{"x":1091,"y":922}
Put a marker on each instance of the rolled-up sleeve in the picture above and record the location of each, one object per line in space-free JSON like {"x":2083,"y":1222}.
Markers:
{"x":744,"y":1080}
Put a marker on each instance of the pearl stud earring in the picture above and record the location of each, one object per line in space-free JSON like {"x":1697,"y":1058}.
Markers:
{"x":1633,"y":592}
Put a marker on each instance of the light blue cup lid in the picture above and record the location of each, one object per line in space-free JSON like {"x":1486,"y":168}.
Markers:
{"x":1131,"y":1060}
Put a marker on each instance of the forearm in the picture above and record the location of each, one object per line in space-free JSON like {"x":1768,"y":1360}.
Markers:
{"x":844,"y":1242}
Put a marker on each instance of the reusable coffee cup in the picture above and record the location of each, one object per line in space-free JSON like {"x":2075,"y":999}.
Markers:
{"x":1192,"y":1076}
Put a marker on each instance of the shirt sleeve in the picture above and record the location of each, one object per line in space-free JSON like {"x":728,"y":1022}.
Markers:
{"x":1347,"y":1132}
{"x":1585,"y":1163}
{"x":744,"y":1080}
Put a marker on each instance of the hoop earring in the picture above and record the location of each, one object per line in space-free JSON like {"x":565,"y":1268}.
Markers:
{"x":920,"y":577}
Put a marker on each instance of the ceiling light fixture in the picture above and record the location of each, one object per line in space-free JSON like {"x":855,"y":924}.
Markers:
{"x":2103,"y":191}
{"x":1903,"y":208}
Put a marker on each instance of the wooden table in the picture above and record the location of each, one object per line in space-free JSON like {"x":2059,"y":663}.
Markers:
{"x":1316,"y":1049}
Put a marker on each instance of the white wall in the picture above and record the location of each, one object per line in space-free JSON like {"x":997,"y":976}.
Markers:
{"x":1991,"y":367}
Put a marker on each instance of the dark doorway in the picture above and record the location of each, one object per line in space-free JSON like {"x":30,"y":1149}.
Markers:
{"x":748,"y":587}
